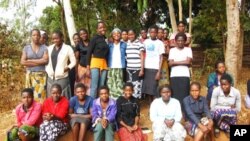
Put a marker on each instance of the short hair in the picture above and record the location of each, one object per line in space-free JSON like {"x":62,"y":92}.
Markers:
{"x":103,"y":88}
{"x":76,"y":34}
{"x":196,"y":84}
{"x":145,"y":29}
{"x":57,"y":86}
{"x":181,"y":34}
{"x":100,"y":22}
{"x":248,"y":87}
{"x":161,"y":29}
{"x":59,"y":33}
{"x":153,"y":27}
{"x":165,"y":86}
{"x":35,"y":29}
{"x":218,"y":62}
{"x":80,"y":85}
{"x":84,"y":30}
{"x":181,"y":22}
{"x":29,"y":91}
{"x":128,"y":84}
{"x":227,"y":77}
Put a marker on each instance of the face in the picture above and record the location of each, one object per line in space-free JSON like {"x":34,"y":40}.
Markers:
{"x":76,"y":39}
{"x":194,"y":91}
{"x":131,"y":35}
{"x":43,"y":39}
{"x":80,"y":93}
{"x":128,"y":91}
{"x":104,"y":95}
{"x":180,"y":41}
{"x":165,"y":94}
{"x":101,"y":29}
{"x":124,"y":36}
{"x":165,"y":34}
{"x":116,"y":36}
{"x":27,"y":99}
{"x":221,"y":68}
{"x":143,"y":34}
{"x":160,"y":34}
{"x":35,"y":35}
{"x":56,"y":94}
{"x":181,"y":27}
{"x":57,"y":40}
{"x":225,"y":86}
{"x":83,"y":35}
{"x":153,"y":33}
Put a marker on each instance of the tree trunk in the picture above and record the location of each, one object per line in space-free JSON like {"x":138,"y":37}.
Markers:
{"x":63,"y":24}
{"x":180,"y":10}
{"x":233,"y":38}
{"x":242,"y":12}
{"x":172,"y":15}
{"x":69,"y":20}
{"x":190,"y":18}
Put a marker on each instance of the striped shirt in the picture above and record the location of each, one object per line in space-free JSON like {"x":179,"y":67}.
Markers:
{"x":133,"y":55}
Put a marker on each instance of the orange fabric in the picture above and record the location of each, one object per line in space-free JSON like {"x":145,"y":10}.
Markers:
{"x":137,"y":135}
{"x":99,"y":63}
{"x":83,"y":78}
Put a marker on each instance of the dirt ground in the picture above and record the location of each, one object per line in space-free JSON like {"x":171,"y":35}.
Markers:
{"x":8,"y":119}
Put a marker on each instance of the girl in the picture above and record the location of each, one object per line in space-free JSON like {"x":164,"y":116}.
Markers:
{"x":180,"y":29}
{"x":128,"y":114}
{"x":34,"y":58}
{"x":80,"y":112}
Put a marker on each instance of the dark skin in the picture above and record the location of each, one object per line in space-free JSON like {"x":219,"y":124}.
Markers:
{"x":79,"y":129}
{"x":125,"y":36}
{"x":128,"y":91}
{"x":226,"y":87}
{"x":104,"y":98}
{"x":180,"y":28}
{"x":180,"y":45}
{"x":144,"y":34}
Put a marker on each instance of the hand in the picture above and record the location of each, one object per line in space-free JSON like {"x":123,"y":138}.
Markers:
{"x":104,"y":123}
{"x":141,"y":73}
{"x":130,"y":129}
{"x":73,"y":115}
{"x":88,"y":72}
{"x":135,"y":127}
{"x":169,"y":123}
{"x":210,"y":124}
{"x":204,"y":128}
{"x":233,"y":106}
{"x":158,"y":75}
{"x":66,"y":69}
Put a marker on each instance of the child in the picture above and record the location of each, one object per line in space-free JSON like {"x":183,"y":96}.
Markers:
{"x":128,"y":114}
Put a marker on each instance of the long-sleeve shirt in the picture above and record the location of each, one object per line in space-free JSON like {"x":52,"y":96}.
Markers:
{"x":59,"y":109}
{"x":220,"y":101}
{"x":195,"y":109}
{"x":32,"y":117}
{"x":159,"y":110}
{"x":110,"y":111}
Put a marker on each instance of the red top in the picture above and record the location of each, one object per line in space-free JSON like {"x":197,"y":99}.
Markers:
{"x":59,"y":109}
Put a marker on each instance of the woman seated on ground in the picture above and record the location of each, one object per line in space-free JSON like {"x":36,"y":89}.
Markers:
{"x":165,"y":113}
{"x":55,"y":115}
{"x":128,"y":114}
{"x":80,"y":112}
{"x":28,"y":117}
{"x":214,"y":78}
{"x":199,"y":120}
{"x":247,"y":98}
{"x":225,"y":104}
{"x":103,"y":113}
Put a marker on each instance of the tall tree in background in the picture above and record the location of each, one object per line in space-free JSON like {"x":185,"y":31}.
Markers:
{"x":190,"y":17}
{"x":232,"y":57}
{"x":172,"y":15}
{"x":180,"y":10}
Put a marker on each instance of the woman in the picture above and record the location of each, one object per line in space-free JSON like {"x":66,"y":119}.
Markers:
{"x":81,"y":59}
{"x":143,"y":35}
{"x":28,"y":117}
{"x":180,"y":29}
{"x":247,"y":97}
{"x":58,"y":67}
{"x":116,"y":64}
{"x":103,"y":113}
{"x":80,"y":112}
{"x":97,"y":59}
{"x":166,"y":123}
{"x":180,"y":58}
{"x":55,"y":115}
{"x":135,"y":63}
{"x":124,"y":35}
{"x":128,"y":115}
{"x":76,"y":39}
{"x":225,"y":104}
{"x":214,"y":78}
{"x":34,"y":58}
{"x":199,"y":120}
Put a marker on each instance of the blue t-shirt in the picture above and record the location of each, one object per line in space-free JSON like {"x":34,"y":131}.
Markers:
{"x":81,"y":109}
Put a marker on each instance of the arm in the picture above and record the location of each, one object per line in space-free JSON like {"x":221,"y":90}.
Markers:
{"x":95,"y":115}
{"x":111,"y":116}
{"x":18,"y":120}
{"x":90,"y":51}
{"x":63,"y":112}
{"x":206,"y":109}
{"x":238,"y":102}
{"x":186,"y":62}
{"x":172,"y":43}
{"x":153,"y":112}
{"x":214,"y":99}
{"x":43,"y":61}
{"x":178,"y":114}
{"x":77,"y":55}
{"x":25,"y":62}
{"x":141,"y":73}
{"x":35,"y":115}
{"x":187,"y":43}
{"x":72,"y":58}
{"x":189,"y":112}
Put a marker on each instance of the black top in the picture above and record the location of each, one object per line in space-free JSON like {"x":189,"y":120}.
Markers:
{"x":98,"y":48}
{"x":54,"y":56}
{"x":127,"y":110}
{"x":82,"y":54}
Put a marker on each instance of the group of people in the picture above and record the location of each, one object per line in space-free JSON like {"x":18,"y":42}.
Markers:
{"x":97,"y":84}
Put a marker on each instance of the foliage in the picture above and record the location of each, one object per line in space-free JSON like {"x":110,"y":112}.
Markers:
{"x":211,"y":56}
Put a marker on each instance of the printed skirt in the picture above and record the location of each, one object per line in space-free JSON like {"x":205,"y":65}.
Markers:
{"x":115,"y":82}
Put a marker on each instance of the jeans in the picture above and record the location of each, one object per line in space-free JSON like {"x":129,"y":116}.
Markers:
{"x":97,"y":79}
{"x":100,"y":133}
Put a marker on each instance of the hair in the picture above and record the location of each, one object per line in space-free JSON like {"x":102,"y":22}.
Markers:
{"x":226,"y":77}
{"x":80,"y":85}
{"x":218,"y":62}
{"x":35,"y":29}
{"x":29,"y":91}
{"x":103,"y":88}
{"x":166,"y":29}
{"x":128,"y":84}
{"x":57,"y":86}
{"x":153,"y":27}
{"x":76,"y":34}
{"x":161,"y":29}
{"x":181,"y":22}
{"x":248,"y":87}
{"x":145,"y":29}
{"x":196,"y":84}
{"x":181,"y":34}
{"x":132,"y":30}
{"x":124,"y":30}
{"x":100,"y":22}
{"x":84,"y":30}
{"x":59,"y":33}
{"x":165,"y":86}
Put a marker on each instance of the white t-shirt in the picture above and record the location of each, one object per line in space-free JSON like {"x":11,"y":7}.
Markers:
{"x":116,"y":57}
{"x":153,"y":49}
{"x":180,"y":55}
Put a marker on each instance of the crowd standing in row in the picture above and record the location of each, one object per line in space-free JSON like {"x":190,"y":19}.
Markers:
{"x":96,"y":85}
